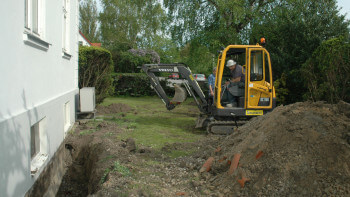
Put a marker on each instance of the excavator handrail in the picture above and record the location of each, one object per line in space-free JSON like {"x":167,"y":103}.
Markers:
{"x":186,"y":73}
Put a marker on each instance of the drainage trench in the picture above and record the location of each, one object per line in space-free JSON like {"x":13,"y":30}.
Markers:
{"x":70,"y":173}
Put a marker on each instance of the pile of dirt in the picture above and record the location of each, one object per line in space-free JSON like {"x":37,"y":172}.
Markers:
{"x":301,"y":149}
{"x":113,"y":108}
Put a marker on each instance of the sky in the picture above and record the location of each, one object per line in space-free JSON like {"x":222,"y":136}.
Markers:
{"x":345,"y":4}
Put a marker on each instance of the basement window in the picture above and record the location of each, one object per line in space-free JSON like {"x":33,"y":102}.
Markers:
{"x":66,"y":111}
{"x":38,"y":146}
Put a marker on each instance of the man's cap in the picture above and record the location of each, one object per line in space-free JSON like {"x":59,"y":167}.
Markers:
{"x":230,"y":63}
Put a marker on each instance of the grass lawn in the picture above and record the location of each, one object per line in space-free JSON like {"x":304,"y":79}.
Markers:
{"x":151,"y":124}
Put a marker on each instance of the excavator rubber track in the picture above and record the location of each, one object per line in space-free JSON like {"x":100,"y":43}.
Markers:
{"x":224,"y":127}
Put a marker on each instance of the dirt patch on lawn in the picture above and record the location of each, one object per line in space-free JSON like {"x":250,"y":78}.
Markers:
{"x":301,"y":149}
{"x":113,"y":108}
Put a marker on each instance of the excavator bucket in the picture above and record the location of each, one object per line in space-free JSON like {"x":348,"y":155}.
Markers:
{"x":200,"y":123}
{"x":180,"y":95}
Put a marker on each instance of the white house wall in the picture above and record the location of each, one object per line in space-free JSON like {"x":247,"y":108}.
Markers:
{"x":34,"y":84}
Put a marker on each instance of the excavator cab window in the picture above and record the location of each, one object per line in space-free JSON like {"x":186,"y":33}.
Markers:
{"x":259,"y":66}
{"x":256,"y":66}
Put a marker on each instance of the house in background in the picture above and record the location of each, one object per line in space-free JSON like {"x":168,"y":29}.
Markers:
{"x":83,"y":41}
{"x":39,"y":86}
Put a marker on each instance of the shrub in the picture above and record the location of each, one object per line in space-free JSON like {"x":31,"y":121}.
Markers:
{"x":327,"y":72}
{"x":281,"y":89}
{"x":131,"y":61}
{"x":136,"y":84}
{"x":95,"y":68}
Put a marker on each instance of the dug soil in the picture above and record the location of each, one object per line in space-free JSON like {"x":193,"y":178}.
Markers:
{"x":301,"y":149}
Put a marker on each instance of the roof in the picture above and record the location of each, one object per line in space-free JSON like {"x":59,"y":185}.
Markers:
{"x":96,"y":44}
{"x":88,"y":41}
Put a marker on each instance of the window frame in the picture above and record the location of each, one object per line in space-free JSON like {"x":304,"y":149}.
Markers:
{"x":66,"y":29}
{"x":34,"y":140}
{"x":32,"y":22}
{"x":34,"y":34}
{"x":257,"y":67}
{"x":39,"y":142}
{"x":67,"y":117}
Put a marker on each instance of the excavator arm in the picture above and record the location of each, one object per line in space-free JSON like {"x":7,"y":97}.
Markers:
{"x":190,"y":84}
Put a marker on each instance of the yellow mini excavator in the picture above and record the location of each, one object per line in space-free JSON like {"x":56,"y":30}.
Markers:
{"x":255,"y":97}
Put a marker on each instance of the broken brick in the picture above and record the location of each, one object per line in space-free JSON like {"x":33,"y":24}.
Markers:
{"x":234,"y":163}
{"x":180,"y":193}
{"x":259,"y":154}
{"x":242,"y":181}
{"x":223,"y":159}
{"x":207,"y":165}
{"x":218,"y":149}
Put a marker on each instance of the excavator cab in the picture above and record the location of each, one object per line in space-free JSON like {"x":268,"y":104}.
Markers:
{"x":256,"y":96}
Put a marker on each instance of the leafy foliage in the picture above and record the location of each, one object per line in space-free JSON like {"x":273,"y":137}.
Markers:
{"x":198,"y":58}
{"x":89,"y":19}
{"x":294,"y":29}
{"x":127,"y":26}
{"x":327,"y":72}
{"x":281,"y":90}
{"x":95,"y":68}
{"x":213,"y":22}
{"x":131,"y":23}
{"x":136,"y":84}
{"x":132,"y":60}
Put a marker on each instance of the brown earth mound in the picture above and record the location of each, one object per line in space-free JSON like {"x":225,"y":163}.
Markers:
{"x":301,"y":149}
{"x":113,"y":108}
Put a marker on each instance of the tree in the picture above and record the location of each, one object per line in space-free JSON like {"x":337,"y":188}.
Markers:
{"x":89,"y":20}
{"x":327,"y":72}
{"x":167,"y":49}
{"x":131,"y":61}
{"x":213,"y":22}
{"x":294,"y":29}
{"x":130,"y":24}
{"x":198,"y":58}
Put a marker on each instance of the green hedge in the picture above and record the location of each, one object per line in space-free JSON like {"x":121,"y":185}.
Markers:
{"x":127,"y":62}
{"x":136,"y":84}
{"x":95,"y":68}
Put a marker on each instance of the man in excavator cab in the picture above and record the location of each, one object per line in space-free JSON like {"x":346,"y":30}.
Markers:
{"x":234,"y":87}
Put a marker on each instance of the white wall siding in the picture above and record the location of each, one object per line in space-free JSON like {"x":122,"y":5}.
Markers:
{"x":34,"y":83}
